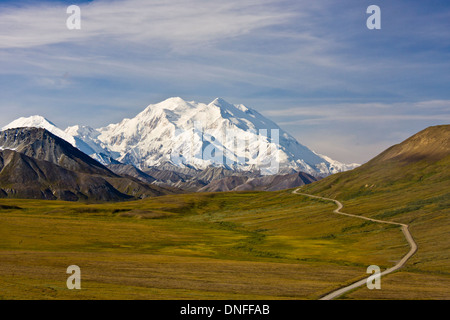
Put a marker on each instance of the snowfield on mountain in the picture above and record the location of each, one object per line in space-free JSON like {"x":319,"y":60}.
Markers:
{"x":194,"y":135}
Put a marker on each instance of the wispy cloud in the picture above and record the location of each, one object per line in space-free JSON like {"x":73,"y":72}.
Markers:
{"x":175,"y":23}
{"x":437,"y":110}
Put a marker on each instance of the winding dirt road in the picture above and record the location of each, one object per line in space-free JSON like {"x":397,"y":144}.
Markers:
{"x":401,"y":263}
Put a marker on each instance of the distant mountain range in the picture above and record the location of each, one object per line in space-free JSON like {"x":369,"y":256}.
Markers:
{"x":160,"y":151}
{"x":36,"y":164}
{"x":163,"y":131}
{"x":39,"y":160}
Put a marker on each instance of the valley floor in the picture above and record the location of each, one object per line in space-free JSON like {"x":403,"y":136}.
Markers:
{"x":235,"y":245}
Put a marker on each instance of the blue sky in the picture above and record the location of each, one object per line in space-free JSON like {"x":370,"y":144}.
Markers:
{"x":311,"y":66}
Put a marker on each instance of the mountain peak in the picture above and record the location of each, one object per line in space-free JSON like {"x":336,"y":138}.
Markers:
{"x":220,"y":101}
{"x":173,"y":100}
{"x":36,"y":121}
{"x":174,"y":103}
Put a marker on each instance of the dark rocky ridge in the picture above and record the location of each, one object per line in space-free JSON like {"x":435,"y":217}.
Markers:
{"x":36,"y":164}
{"x":214,"y":179}
{"x":42,"y":145}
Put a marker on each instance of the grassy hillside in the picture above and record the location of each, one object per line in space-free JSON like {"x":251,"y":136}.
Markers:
{"x":407,"y":183}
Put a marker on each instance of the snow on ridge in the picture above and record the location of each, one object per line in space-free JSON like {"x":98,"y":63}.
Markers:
{"x":80,"y":137}
{"x":339,"y":166}
{"x":37,"y":121}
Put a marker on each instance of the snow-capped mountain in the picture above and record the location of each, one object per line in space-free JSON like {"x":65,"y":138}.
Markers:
{"x":195,"y":135}
{"x":83,"y":138}
{"x":40,"y":122}
{"x":86,"y":139}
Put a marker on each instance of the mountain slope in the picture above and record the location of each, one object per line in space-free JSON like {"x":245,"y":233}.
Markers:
{"x":80,"y":137}
{"x":418,"y":161}
{"x":22,"y":176}
{"x":130,"y":171}
{"x":86,"y":139}
{"x":43,"y":145}
{"x":37,"y":164}
{"x":407,"y":183}
{"x":431,"y":145}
